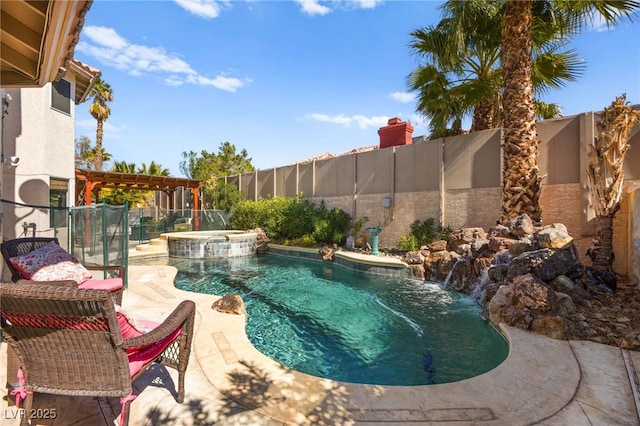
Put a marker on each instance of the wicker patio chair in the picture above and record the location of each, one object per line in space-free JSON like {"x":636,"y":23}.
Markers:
{"x":20,"y":246}
{"x":68,"y":341}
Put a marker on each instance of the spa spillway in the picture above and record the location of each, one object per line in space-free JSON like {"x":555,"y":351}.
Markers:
{"x":210,"y":244}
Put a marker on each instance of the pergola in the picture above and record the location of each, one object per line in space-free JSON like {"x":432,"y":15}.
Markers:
{"x":89,"y":183}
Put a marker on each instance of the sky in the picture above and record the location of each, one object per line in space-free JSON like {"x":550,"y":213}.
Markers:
{"x":286,"y":80}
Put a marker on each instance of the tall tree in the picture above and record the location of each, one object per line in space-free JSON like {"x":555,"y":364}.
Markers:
{"x":101,"y":93}
{"x":521,"y":183}
{"x":85,"y":154}
{"x":606,"y":175}
{"x":462,"y":75}
{"x":208,"y":167}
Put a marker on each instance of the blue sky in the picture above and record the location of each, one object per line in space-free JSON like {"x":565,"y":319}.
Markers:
{"x":285,"y":80}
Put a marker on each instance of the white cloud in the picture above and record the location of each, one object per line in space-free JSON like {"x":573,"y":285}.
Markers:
{"x":360,"y":120}
{"x":367,"y":4}
{"x":403,"y":97}
{"x":315,"y":7}
{"x":111,"y":49}
{"x":203,"y":8}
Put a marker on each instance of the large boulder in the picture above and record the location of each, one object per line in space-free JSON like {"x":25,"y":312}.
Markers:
{"x":547,"y":264}
{"x":461,"y":277}
{"x":522,"y":301}
{"x":554,"y":237}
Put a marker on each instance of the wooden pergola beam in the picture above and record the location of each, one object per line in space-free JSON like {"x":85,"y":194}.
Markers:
{"x":94,"y":181}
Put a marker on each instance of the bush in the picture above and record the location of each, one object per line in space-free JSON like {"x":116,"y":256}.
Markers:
{"x":292,"y":219}
{"x":331,"y":226}
{"x":408,"y":243}
{"x":423,"y":233}
{"x":226,"y":196}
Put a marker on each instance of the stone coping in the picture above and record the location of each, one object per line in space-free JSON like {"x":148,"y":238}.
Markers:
{"x":207,"y":235}
{"x":379,"y":265}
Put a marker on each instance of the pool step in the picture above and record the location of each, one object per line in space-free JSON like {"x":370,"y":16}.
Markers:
{"x":156,"y":244}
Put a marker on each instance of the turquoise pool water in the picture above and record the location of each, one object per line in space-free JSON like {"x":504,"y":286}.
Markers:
{"x":331,"y":322}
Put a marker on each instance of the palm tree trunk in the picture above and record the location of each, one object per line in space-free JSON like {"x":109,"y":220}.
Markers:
{"x":483,"y":116}
{"x":601,"y":253}
{"x":520,"y":180}
{"x":99,"y":157}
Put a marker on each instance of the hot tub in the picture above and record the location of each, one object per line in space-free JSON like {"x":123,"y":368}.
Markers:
{"x":210,"y":244}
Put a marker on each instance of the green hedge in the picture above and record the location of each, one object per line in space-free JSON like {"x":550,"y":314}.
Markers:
{"x":290,"y":219}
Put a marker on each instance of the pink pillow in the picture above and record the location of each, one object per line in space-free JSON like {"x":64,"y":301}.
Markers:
{"x":50,"y":263}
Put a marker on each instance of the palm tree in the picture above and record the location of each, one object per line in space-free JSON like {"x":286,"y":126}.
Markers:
{"x":101,"y":93}
{"x":606,"y":176}
{"x":521,"y":182}
{"x":154,"y":169}
{"x":123,"y":167}
{"x":463,"y":74}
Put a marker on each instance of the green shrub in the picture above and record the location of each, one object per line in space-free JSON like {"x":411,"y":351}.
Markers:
{"x":423,"y":233}
{"x":289,"y":219}
{"x":304,"y":241}
{"x":331,"y":226}
{"x":408,"y":243}
{"x":226,"y":196}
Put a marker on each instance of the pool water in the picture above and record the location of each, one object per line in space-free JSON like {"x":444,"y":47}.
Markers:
{"x":343,"y":325}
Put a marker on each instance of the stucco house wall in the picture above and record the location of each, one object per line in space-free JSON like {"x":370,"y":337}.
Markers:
{"x":42,"y":137}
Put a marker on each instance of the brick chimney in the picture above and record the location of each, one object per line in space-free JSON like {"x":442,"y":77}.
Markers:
{"x":397,"y":132}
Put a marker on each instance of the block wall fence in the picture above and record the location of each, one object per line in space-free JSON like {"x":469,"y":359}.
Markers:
{"x":457,"y":181}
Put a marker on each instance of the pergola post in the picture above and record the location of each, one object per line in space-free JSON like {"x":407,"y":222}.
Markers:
{"x":196,"y":207}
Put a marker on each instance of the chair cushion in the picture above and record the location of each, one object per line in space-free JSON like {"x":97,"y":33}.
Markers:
{"x":50,"y":263}
{"x":145,"y":354}
{"x":130,"y":327}
{"x":111,"y":284}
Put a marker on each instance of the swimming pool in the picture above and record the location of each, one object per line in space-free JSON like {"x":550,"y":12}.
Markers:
{"x":331,"y":322}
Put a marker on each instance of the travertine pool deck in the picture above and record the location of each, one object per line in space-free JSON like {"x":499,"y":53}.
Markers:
{"x":543,"y":381}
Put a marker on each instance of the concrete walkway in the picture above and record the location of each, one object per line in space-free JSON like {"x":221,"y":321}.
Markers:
{"x":543,"y":381}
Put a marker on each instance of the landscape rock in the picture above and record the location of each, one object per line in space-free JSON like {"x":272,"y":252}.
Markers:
{"x":230,"y":304}
{"x":554,"y":237}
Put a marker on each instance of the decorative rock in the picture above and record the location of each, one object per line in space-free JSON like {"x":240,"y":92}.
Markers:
{"x":552,"y":326}
{"x":413,"y":258}
{"x":461,"y":277}
{"x":521,"y":226}
{"x":533,"y":294}
{"x":497,"y":244}
{"x":502,"y":310}
{"x":262,"y":241}
{"x":230,"y":304}
{"x":554,"y":237}
{"x":479,"y":246}
{"x":564,"y":284}
{"x":466,"y":235}
{"x":500,"y":231}
{"x":547,"y":264}
{"x":418,"y":271}
{"x":497,"y":273}
{"x":327,"y":253}
{"x":439,"y":264}
{"x":565,"y":304}
{"x":522,"y":245}
{"x":439,"y":245}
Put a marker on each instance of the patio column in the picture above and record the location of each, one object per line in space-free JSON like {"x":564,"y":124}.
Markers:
{"x":196,"y":207}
